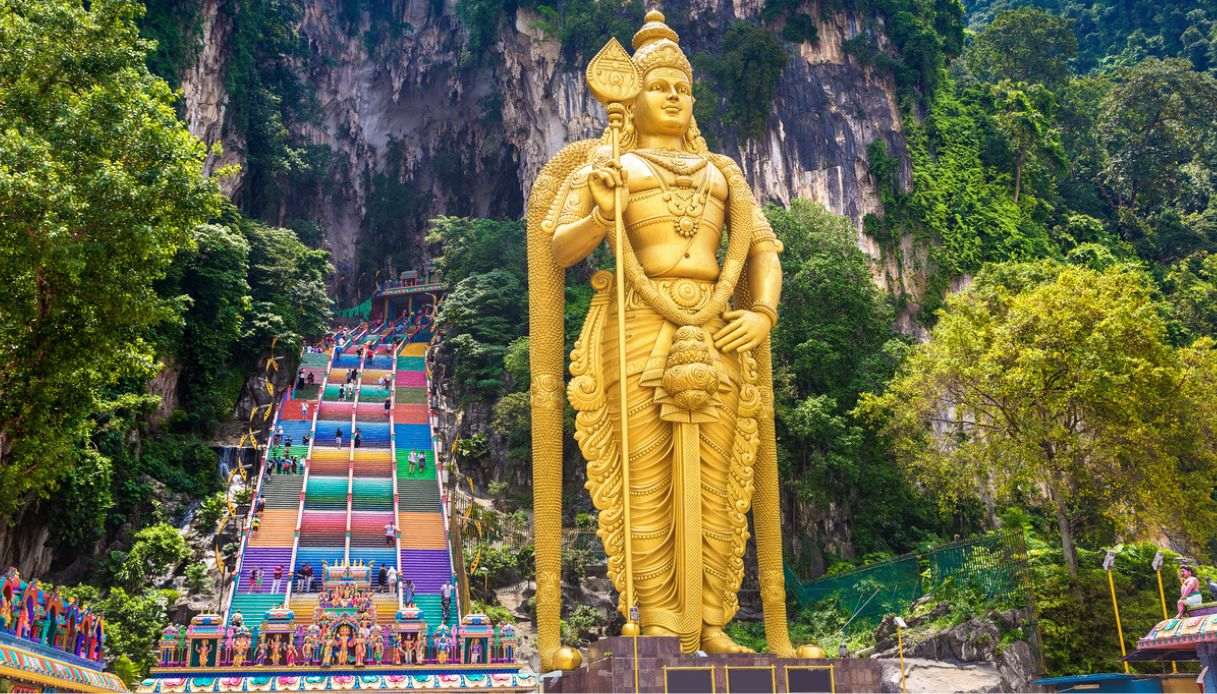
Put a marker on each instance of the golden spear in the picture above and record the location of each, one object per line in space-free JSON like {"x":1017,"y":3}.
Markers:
{"x":613,"y":79}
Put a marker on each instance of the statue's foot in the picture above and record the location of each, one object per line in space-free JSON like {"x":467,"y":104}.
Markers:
{"x":715,"y":640}
{"x":656,"y":630}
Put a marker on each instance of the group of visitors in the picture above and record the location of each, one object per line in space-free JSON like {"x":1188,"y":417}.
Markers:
{"x":416,"y":461}
{"x":45,"y":616}
{"x":285,"y":465}
{"x":304,"y":379}
{"x":257,"y":580}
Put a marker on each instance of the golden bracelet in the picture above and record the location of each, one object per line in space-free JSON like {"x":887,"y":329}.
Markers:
{"x":766,"y":310}
{"x":599,"y":218}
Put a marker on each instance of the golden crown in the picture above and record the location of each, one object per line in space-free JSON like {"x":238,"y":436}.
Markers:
{"x":656,"y":45}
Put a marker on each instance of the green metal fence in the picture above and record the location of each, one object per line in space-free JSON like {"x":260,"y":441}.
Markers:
{"x":990,"y":568}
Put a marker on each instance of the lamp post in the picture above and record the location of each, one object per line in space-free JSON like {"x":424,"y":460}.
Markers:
{"x":1157,"y":564}
{"x":901,"y":625}
{"x":1109,"y":563}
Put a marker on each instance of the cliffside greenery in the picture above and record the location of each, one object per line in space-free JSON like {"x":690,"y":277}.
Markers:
{"x":1057,"y":387}
{"x":139,"y":301}
{"x":101,"y":188}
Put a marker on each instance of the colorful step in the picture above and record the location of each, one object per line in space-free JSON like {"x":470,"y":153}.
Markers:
{"x":326,"y":493}
{"x":266,"y":558}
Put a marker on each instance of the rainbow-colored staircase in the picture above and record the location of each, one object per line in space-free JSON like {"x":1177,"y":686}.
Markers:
{"x":338,"y":509}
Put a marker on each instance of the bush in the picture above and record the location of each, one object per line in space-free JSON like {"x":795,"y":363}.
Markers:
{"x":197,"y":577}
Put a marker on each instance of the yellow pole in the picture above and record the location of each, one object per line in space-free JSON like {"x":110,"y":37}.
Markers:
{"x":900,"y":648}
{"x":1165,"y":615}
{"x":631,"y":628}
{"x":1115,"y":606}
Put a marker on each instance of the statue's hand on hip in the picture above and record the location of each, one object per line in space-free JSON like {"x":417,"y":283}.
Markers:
{"x":745,"y":330}
{"x":602,"y":180}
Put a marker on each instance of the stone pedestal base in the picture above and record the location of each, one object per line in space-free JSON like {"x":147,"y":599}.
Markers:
{"x":661,"y":669}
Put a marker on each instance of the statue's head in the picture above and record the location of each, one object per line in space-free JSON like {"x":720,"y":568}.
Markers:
{"x":664,"y":105}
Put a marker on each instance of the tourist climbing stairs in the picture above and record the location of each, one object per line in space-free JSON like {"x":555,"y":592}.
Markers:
{"x":338,"y":510}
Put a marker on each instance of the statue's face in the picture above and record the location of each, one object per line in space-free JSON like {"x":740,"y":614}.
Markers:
{"x":665,"y":104}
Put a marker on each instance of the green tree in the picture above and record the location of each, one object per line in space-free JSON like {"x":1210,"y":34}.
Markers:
{"x":156,"y":550}
{"x":1055,"y":383}
{"x":470,"y":246}
{"x":211,"y":280}
{"x":1156,"y":119}
{"x":1024,"y":45}
{"x":1022,"y":116}
{"x":834,"y":339}
{"x":101,"y":186}
{"x":1191,"y":290}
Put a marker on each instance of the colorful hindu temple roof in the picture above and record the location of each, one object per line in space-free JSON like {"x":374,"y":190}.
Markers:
{"x":36,"y":664}
{"x":453,"y":677}
{"x":1180,"y":633}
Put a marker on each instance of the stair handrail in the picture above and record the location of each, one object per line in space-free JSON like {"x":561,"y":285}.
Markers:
{"x":346,"y":551}
{"x":393,"y":472}
{"x":438,"y":482}
{"x":308,"y":458}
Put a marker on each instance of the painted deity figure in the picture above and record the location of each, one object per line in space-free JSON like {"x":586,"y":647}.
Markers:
{"x":204,"y":651}
{"x":327,"y":651}
{"x":378,"y":645}
{"x":697,"y":364}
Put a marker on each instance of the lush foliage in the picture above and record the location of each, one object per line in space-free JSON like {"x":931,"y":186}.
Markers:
{"x":1058,"y":384}
{"x":834,"y":341}
{"x":101,"y":188}
{"x":738,"y":81}
{"x":1112,"y":33}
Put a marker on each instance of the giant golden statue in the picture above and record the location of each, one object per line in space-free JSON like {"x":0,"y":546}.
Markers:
{"x":698,"y":426}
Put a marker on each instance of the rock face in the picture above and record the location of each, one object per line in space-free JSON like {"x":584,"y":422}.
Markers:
{"x":967,"y":657}
{"x":467,"y":133}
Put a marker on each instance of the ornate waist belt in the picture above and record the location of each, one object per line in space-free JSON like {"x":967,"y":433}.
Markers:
{"x":688,"y":294}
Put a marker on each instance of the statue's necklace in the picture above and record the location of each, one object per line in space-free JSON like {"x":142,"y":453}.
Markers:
{"x":675,"y":162}
{"x":686,"y":203}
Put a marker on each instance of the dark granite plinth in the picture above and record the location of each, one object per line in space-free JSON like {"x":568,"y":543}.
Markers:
{"x":662,"y":669}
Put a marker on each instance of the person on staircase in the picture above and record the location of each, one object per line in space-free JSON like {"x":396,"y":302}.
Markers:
{"x":276,"y":579}
{"x":388,"y":406}
{"x":382,"y":579}
{"x":445,"y":600}
{"x":338,"y":437}
{"x":390,"y":533}
{"x":408,"y":593}
{"x":393,"y":580}
{"x":358,"y":437}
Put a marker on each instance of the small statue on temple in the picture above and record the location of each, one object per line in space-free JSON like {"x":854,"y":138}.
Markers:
{"x":475,"y":651}
{"x":378,"y":644}
{"x":441,"y":646}
{"x":420,"y":649}
{"x":275,"y":647}
{"x":291,"y":654}
{"x":260,"y":654}
{"x":344,"y":646}
{"x":204,"y":651}
{"x":327,"y":651}
{"x":361,"y":648}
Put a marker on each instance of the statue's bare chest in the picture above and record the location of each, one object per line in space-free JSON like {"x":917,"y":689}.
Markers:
{"x":673,"y":198}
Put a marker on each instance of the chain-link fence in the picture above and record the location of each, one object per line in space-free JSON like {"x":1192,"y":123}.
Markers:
{"x":991,"y":570}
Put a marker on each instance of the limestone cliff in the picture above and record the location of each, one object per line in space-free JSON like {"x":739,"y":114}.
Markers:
{"x":466,"y":134}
